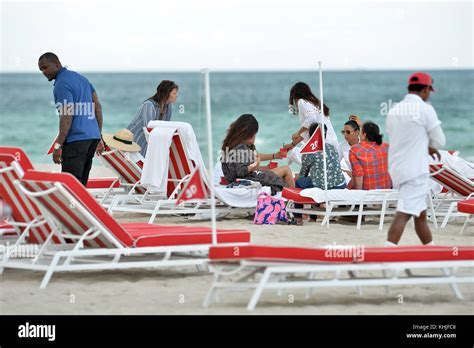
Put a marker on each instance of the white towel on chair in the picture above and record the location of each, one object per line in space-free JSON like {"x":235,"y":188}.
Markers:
{"x":155,"y":169}
{"x":355,"y":196}
{"x":188,"y":135}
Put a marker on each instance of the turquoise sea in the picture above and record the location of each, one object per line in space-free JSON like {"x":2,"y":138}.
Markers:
{"x":28,"y":119}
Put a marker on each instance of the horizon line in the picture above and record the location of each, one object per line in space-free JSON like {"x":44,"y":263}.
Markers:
{"x":251,"y":70}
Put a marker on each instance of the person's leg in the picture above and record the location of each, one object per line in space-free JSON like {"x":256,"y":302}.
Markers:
{"x":302,"y":182}
{"x":396,"y":228}
{"x":74,"y":157}
{"x":88,"y":161}
{"x":285,"y":173}
{"x":422,"y":229}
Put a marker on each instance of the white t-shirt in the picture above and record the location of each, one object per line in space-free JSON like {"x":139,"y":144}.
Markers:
{"x":345,"y":162}
{"x":310,"y":114}
{"x":408,"y":124}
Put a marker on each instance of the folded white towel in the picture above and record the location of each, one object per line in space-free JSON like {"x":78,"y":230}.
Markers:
{"x":155,"y":169}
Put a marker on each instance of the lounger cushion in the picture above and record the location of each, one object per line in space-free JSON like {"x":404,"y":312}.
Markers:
{"x":466,"y":206}
{"x":322,"y":255}
{"x":293,"y":194}
{"x":138,"y":234}
{"x":161,"y":235}
{"x":103,"y":183}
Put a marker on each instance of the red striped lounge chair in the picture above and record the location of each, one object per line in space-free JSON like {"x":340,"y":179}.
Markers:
{"x":269,"y":267}
{"x":345,"y":204}
{"x":466,"y":207}
{"x":26,"y":220}
{"x":456,"y":187}
{"x":99,"y":187}
{"x":180,"y":169}
{"x":99,"y":241}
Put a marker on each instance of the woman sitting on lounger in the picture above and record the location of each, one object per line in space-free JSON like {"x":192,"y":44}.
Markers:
{"x":240,"y":159}
{"x":312,"y":172}
{"x":157,"y":107}
{"x":369,"y":160}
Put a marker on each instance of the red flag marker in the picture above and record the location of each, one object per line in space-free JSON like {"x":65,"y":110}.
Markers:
{"x":51,"y":148}
{"x":314,"y":144}
{"x":194,"y":190}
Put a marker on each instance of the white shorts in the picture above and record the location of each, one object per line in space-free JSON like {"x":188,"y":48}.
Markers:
{"x":412,"y":195}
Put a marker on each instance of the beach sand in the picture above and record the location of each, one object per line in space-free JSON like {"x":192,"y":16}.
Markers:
{"x":182,"y":290}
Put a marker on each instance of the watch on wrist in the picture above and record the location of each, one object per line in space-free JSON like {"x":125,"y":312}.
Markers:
{"x":57,"y":146}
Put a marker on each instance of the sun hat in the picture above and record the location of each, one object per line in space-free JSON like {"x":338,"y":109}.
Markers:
{"x":122,"y":140}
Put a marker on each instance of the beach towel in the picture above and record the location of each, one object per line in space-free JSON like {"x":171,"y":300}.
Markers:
{"x":155,"y":169}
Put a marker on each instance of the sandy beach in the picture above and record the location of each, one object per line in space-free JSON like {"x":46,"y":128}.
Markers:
{"x":182,"y":290}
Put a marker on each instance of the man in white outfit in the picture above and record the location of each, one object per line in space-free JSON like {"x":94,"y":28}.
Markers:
{"x":414,"y":130}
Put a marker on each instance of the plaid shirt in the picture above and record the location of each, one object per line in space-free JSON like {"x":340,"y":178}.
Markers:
{"x":370,"y":161}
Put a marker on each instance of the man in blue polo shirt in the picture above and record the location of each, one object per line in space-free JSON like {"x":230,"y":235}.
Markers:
{"x":80,"y":118}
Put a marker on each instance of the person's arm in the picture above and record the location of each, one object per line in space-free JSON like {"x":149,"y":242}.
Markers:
{"x":99,"y":117}
{"x":269,"y":156}
{"x":297,"y":138}
{"x":98,"y":110}
{"x":437,"y":141}
{"x":357,"y":120}
{"x":437,"y":137}
{"x":254,"y":165}
{"x":358,"y":180}
{"x":357,"y":170}
{"x":65,"y":105}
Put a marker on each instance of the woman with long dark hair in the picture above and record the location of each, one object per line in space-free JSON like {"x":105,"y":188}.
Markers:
{"x":305,"y":104}
{"x":157,"y":107}
{"x":240,"y":159}
{"x":369,"y":160}
{"x":351,"y":133}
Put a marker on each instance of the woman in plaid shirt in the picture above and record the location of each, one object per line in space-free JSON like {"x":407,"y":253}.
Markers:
{"x":369,"y":160}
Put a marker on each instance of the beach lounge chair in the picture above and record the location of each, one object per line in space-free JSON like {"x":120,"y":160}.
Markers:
{"x":239,"y":268}
{"x":457,"y":188}
{"x":179,"y":171}
{"x":95,"y":240}
{"x":98,"y":187}
{"x":343,"y":203}
{"x":26,"y":221}
{"x":466,"y":207}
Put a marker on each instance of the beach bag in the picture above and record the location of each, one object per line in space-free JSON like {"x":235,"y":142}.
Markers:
{"x":270,"y":210}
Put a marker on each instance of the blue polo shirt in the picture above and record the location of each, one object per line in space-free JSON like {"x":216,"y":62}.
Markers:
{"x":72,"y":90}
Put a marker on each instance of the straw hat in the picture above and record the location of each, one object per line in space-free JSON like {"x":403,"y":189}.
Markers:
{"x":122,"y":140}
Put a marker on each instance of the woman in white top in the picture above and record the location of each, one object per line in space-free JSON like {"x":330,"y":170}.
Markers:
{"x":305,"y":104}
{"x":351,"y":133}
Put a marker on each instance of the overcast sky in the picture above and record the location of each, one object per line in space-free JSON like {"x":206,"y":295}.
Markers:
{"x":188,"y":35}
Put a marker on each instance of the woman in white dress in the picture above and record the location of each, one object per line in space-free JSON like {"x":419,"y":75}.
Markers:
{"x":305,"y":104}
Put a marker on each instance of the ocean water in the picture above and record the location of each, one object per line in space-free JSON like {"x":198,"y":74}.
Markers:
{"x":28,"y":119}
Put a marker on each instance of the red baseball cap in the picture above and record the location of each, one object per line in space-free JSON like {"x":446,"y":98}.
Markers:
{"x":421,"y":78}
